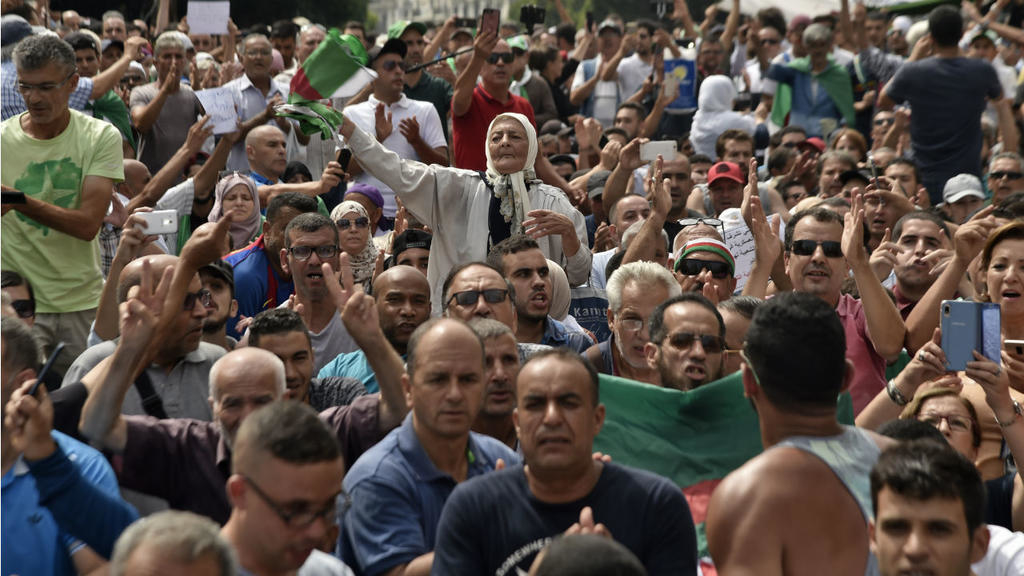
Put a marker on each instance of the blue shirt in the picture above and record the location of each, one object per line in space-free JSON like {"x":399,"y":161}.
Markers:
{"x":557,"y":335}
{"x":352,"y":365}
{"x":33,"y":543}
{"x":396,"y":498}
{"x":811,"y":103}
{"x":254,"y":280}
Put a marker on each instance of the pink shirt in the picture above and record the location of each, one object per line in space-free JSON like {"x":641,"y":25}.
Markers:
{"x":869,"y":373}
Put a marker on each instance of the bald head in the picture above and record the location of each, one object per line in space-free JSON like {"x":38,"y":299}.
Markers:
{"x":136,"y":176}
{"x":131,"y":275}
{"x":402,"y":294}
{"x":249,"y":365}
{"x":404,"y":276}
{"x":266,"y":151}
{"x":441,"y":333}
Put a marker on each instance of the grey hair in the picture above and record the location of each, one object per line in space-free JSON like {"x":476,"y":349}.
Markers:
{"x":646,"y":273}
{"x":241,"y":47}
{"x":1011,"y":155}
{"x":634,"y":229}
{"x":817,"y":32}
{"x":21,"y":349}
{"x":36,"y":52}
{"x":487,"y":328}
{"x":261,"y":361}
{"x":182,"y":535}
{"x":169,"y":39}
{"x":112,"y":14}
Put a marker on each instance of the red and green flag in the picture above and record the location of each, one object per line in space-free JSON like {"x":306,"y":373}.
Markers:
{"x":693,"y":438}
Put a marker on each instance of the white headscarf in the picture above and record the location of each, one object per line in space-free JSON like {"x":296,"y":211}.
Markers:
{"x":516,"y":204}
{"x":715,"y":115}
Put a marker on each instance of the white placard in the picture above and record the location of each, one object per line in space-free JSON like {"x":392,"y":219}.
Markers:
{"x":221,"y":107}
{"x":741,"y":243}
{"x":208,"y":17}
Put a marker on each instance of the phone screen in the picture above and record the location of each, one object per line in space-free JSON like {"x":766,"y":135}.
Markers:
{"x":489,"y":20}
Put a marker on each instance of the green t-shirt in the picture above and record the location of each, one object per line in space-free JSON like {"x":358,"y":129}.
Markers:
{"x":64,"y":271}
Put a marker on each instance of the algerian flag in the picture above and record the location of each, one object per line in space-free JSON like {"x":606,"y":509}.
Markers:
{"x":693,"y":438}
{"x":336,"y":69}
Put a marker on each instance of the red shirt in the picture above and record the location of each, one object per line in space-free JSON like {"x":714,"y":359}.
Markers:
{"x":469,"y":131}
{"x":869,"y":376}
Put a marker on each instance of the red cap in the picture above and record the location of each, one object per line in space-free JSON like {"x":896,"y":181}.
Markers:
{"x":727,"y":170}
{"x":817,"y":143}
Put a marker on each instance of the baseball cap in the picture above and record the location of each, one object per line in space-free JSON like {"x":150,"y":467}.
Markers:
{"x":986,"y":33}
{"x":727,"y":170}
{"x":815,"y":143}
{"x":82,"y":41}
{"x":609,"y":23}
{"x":411,"y":238}
{"x":556,"y":127}
{"x":14,"y":28}
{"x":855,"y":175}
{"x":562,"y":159}
{"x":596,"y":183}
{"x":391,"y":46}
{"x":370,"y":192}
{"x":107,"y":43}
{"x":517,"y":43}
{"x":398,"y":28}
{"x":961,"y":186}
{"x":460,"y":31}
{"x":707,"y":245}
{"x":799,"y":21}
{"x":223,"y":270}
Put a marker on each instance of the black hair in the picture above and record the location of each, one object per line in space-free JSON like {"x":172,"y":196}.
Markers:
{"x":897,"y":228}
{"x":588,"y":555}
{"x":284,"y":29}
{"x":945,"y":25}
{"x":810,"y":379}
{"x":569,"y":355}
{"x":904,"y":429}
{"x":743,"y":305}
{"x":636,"y":107}
{"x":308,"y":222}
{"x":923,"y":470}
{"x":295,"y":168}
{"x":276,"y":321}
{"x":700,"y":159}
{"x":657,"y":324}
{"x":540,"y":56}
{"x":294,"y":200}
{"x":287,"y":430}
{"x":12,"y":279}
{"x":566,"y":32}
{"x":511,"y":245}
{"x":816,"y":213}
{"x":772,"y":18}
{"x":732,"y":134}
{"x":1011,"y":208}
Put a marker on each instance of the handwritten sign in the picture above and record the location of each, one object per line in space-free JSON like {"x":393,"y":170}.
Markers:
{"x":208,"y":17}
{"x":221,"y":107}
{"x":740,"y":241}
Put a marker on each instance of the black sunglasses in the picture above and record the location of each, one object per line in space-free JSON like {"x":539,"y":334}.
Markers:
{"x":470,"y":297}
{"x":204,"y":296}
{"x":1009,"y":175}
{"x":324,"y":252}
{"x":769,"y":41}
{"x":24,"y":308}
{"x":506,"y":57}
{"x":693,"y":267}
{"x":344,"y":223}
{"x":392,"y":64}
{"x":831,"y":248}
{"x":711,"y":343}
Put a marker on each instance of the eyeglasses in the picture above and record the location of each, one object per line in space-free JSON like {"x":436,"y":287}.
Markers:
{"x":24,"y":308}
{"x":325,"y":252}
{"x":204,"y":296}
{"x":709,"y":342}
{"x":470,"y":297}
{"x":694,"y":266}
{"x":631,"y":324}
{"x":831,"y":248}
{"x":361,"y":222}
{"x":1008,"y":175}
{"x":392,"y":64}
{"x":713,"y":222}
{"x":506,"y":57}
{"x":769,"y":41}
{"x":881,"y":121}
{"x":958,"y":423}
{"x":297,"y":518}
{"x":47,"y":87}
{"x":259,"y":52}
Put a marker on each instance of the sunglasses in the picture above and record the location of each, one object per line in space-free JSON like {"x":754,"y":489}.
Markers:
{"x":24,"y":308}
{"x":361,"y":222}
{"x":325,"y":252}
{"x":881,"y":121}
{"x":693,"y":267}
{"x":709,"y":342}
{"x":204,"y":296}
{"x":1008,"y":175}
{"x":506,"y":57}
{"x":392,"y":64}
{"x":831,"y":248}
{"x":769,"y":41}
{"x":470,"y":297}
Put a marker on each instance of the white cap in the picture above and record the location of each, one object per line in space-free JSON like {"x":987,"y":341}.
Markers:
{"x":961,"y":186}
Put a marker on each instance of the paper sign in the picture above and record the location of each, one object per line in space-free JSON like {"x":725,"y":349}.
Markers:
{"x":221,"y":107}
{"x":684,"y":72}
{"x":741,"y":243}
{"x":208,"y":17}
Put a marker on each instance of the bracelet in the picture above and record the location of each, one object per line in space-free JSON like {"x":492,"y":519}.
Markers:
{"x":1018,"y":412}
{"x":895,"y":395}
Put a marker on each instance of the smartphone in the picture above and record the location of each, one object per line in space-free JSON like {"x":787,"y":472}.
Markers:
{"x":12,"y":197}
{"x":590,"y":22}
{"x":465,"y":23}
{"x":343,"y":158}
{"x":160,"y":222}
{"x":966,"y":327}
{"x":649,"y":151}
{"x":46,"y":368}
{"x":489,"y":20}
{"x":1014,"y":348}
{"x":874,"y":169}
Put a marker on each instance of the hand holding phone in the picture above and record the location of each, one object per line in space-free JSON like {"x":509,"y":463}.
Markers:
{"x":46,"y":368}
{"x":649,"y":151}
{"x":160,"y":221}
{"x":344,"y":157}
{"x":966,"y":327}
{"x":489,"y":20}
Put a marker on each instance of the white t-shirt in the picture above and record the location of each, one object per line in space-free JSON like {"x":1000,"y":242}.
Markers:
{"x":607,"y":94}
{"x":364,"y":115}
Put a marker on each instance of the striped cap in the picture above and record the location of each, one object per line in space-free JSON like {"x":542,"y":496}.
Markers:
{"x":707,"y":245}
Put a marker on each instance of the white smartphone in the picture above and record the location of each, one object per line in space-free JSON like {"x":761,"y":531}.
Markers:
{"x":160,"y":221}
{"x":649,"y":151}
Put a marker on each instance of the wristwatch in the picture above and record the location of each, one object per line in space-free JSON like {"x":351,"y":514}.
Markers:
{"x":1018,"y":413}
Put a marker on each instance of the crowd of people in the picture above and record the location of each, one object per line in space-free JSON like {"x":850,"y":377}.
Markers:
{"x":269,"y":351}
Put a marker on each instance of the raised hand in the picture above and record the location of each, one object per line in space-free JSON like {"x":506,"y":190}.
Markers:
{"x":28,"y":420}
{"x":970,"y":237}
{"x":586,"y":525}
{"x":853,"y":230}
{"x":383,"y":124}
{"x":361,"y":318}
{"x":343,"y":287}
{"x":198,"y":133}
{"x":410,"y":128}
{"x":883,"y":258}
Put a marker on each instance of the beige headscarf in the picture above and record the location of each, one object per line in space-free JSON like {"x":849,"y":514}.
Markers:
{"x":363,"y":264}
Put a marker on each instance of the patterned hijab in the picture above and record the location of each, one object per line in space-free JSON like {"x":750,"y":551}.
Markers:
{"x":511,"y":189}
{"x":244,"y":232}
{"x":363,"y":263}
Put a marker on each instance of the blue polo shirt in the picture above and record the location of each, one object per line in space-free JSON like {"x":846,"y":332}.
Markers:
{"x":33,"y":543}
{"x":397,"y":495}
{"x":557,"y":335}
{"x":257,"y":285}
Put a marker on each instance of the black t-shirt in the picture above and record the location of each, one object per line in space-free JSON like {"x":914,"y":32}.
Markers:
{"x":494,"y":525}
{"x":999,"y":501}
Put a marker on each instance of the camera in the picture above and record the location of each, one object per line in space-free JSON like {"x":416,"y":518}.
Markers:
{"x":531,"y":15}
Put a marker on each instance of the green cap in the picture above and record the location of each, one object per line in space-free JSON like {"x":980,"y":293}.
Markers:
{"x":398,"y":28}
{"x":517,"y":43}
